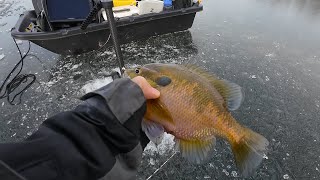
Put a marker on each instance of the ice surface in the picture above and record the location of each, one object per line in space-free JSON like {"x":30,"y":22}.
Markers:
{"x":95,"y":84}
{"x":207,"y":177}
{"x":226,"y":172}
{"x":76,"y":66}
{"x":265,"y":156}
{"x":152,"y":161}
{"x":166,"y":145}
{"x":267,"y":78}
{"x":269,"y":55}
{"x":234,"y":174}
{"x":19,"y":42}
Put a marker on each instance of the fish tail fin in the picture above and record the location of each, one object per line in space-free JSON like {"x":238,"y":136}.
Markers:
{"x":249,"y":151}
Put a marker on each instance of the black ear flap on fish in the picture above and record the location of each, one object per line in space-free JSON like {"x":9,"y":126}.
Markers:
{"x":249,"y":151}
{"x":195,"y":151}
{"x":163,"y":81}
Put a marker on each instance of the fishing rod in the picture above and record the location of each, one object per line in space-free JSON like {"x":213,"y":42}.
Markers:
{"x":106,"y":7}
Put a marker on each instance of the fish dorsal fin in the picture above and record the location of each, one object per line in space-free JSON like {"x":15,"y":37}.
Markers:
{"x":156,"y":109}
{"x":231,"y":92}
{"x":154,"y":131}
{"x":195,"y":151}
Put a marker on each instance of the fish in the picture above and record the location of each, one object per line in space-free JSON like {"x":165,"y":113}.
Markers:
{"x":195,"y":107}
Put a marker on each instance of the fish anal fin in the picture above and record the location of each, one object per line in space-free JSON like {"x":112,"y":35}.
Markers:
{"x":195,"y":151}
{"x":249,"y":151}
{"x":231,"y":92}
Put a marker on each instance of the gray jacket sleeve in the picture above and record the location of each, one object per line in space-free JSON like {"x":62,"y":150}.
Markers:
{"x":127,"y":163}
{"x":99,"y":139}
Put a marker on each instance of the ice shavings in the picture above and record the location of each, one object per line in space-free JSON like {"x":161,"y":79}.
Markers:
{"x":19,"y":42}
{"x":267,"y":78}
{"x":286,"y":176}
{"x":225,"y":172}
{"x":269,"y":55}
{"x":234,"y":174}
{"x":265,"y":156}
{"x":165,"y":146}
{"x":253,"y":76}
{"x":95,"y":84}
{"x":2,"y":56}
{"x":152,"y":162}
{"x":75,"y":66}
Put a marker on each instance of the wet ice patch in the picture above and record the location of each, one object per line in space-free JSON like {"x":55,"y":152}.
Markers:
{"x":165,"y":146}
{"x":95,"y":84}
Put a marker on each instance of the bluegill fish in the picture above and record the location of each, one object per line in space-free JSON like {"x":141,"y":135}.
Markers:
{"x":195,"y":106}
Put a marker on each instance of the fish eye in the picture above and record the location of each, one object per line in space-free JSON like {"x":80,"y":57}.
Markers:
{"x":137,"y":70}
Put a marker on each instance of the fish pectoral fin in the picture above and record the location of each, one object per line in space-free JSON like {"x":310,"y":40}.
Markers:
{"x":156,"y":108}
{"x":249,"y":151}
{"x":195,"y":151}
{"x":154,"y":131}
{"x":231,"y":92}
{"x":152,"y":83}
